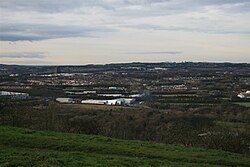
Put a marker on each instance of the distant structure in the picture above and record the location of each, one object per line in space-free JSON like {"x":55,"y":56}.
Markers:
{"x":244,"y":95}
{"x":111,"y":95}
{"x":91,"y":101}
{"x":65,"y":100}
{"x":121,"y":101}
{"x":116,"y":88}
{"x":57,"y":70}
{"x":137,"y":95}
{"x":117,"y":102}
{"x":89,"y":92}
{"x":81,"y":93}
{"x":13,"y":95}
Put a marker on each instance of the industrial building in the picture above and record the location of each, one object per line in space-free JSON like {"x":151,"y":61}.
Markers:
{"x":119,"y":102}
{"x":13,"y":95}
{"x":65,"y":100}
{"x":91,"y":101}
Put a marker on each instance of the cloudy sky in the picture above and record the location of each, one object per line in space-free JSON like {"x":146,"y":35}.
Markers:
{"x":114,"y":31}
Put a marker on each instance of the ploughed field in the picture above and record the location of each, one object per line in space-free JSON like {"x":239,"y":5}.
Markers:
{"x":24,"y":147}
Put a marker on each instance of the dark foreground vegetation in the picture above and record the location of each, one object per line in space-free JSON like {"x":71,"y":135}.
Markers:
{"x":23,"y":147}
{"x":222,"y":126}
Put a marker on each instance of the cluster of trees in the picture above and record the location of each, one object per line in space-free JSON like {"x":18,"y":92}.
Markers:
{"x":187,"y":99}
{"x":187,"y":126}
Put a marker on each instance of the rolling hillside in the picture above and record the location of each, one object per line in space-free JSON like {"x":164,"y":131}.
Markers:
{"x":23,"y":147}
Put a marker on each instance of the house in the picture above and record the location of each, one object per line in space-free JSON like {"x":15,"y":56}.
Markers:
{"x":65,"y":100}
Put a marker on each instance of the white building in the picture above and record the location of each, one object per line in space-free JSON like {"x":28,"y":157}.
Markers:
{"x":137,"y":95}
{"x":128,"y":101}
{"x":114,"y":102}
{"x":65,"y":100}
{"x":15,"y":95}
{"x":111,"y":95}
{"x":116,"y":88}
{"x":91,"y":101}
{"x":121,"y":101}
{"x":244,"y":95}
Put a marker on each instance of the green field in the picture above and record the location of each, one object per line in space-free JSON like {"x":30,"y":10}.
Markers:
{"x":23,"y":147}
{"x":246,"y":104}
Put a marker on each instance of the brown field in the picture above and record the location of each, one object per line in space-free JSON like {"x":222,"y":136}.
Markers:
{"x":96,"y":106}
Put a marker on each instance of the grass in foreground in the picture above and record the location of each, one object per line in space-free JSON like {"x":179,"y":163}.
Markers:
{"x":23,"y":147}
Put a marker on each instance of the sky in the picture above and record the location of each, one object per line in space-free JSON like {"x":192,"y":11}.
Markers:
{"x":78,"y":32}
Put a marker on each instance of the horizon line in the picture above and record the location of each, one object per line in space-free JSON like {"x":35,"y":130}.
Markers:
{"x":141,"y":62}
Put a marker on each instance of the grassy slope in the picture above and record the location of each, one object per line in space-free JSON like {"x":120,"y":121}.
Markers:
{"x":23,"y":147}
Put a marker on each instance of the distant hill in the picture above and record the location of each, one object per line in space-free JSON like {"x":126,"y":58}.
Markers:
{"x":94,"y":68}
{"x":23,"y":147}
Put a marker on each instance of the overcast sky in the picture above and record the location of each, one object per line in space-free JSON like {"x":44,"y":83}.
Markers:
{"x":114,"y":31}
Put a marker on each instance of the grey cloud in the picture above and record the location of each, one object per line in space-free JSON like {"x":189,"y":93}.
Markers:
{"x":50,"y":6}
{"x":13,"y":37}
{"x":220,"y":2}
{"x":145,"y":26}
{"x":54,"y":6}
{"x":173,"y":7}
{"x":36,"y":32}
{"x":182,"y":6}
{"x":228,"y":6}
{"x":10,"y":31}
{"x":144,"y":2}
{"x":37,"y":55}
{"x":210,"y":30}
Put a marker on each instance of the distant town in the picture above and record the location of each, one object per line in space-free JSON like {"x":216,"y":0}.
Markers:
{"x":127,"y":84}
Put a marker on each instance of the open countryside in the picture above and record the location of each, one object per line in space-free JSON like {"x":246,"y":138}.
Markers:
{"x":124,"y":83}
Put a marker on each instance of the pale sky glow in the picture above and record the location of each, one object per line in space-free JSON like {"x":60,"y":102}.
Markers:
{"x":114,"y":31}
